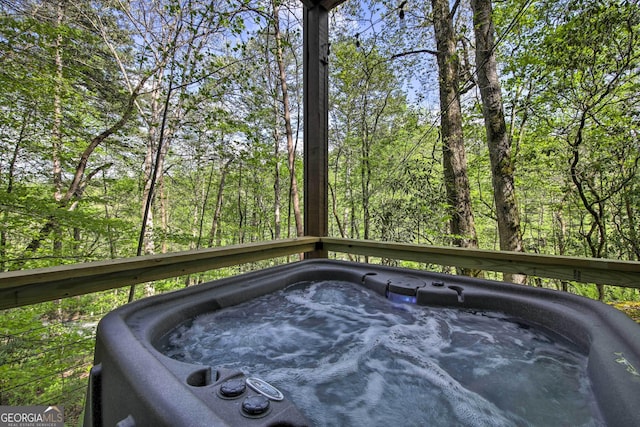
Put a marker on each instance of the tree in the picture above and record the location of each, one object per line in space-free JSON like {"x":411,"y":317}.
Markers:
{"x":498,"y":139}
{"x":286,"y":113}
{"x":582,"y":59}
{"x":73,"y":80}
{"x":368,"y":108}
{"x":454,"y":158}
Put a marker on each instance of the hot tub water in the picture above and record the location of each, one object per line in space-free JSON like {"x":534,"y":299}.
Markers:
{"x":347,"y":356}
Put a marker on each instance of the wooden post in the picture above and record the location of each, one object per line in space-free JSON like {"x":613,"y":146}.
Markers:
{"x":316,"y":124}
{"x":316,"y":119}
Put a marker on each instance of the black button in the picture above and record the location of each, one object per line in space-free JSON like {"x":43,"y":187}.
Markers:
{"x":232,"y":388}
{"x":255,"y":405}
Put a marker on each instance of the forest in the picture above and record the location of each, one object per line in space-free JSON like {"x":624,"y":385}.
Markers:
{"x":132,"y":127}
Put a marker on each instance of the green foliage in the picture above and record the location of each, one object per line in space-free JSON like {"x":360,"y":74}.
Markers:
{"x":573,"y":77}
{"x":381,"y":156}
{"x":44,"y":363}
{"x":385,"y":157}
{"x":570,"y":80}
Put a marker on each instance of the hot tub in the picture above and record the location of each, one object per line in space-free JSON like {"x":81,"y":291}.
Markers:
{"x":141,"y":376}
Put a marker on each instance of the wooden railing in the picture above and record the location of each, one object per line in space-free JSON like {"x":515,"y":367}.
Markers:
{"x":584,"y":270}
{"x":19,"y":288}
{"x":24,"y":287}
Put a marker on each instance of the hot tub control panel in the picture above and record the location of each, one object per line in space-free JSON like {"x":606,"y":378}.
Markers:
{"x":249,"y":401}
{"x":253,"y":405}
{"x":229,"y":397}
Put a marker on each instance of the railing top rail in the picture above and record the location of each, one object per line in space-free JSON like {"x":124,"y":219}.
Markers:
{"x":23,"y":287}
{"x":586,"y":270}
{"x":18,"y":288}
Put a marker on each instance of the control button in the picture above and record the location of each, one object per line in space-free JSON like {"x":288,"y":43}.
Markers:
{"x":233,"y":388}
{"x":255,"y":405}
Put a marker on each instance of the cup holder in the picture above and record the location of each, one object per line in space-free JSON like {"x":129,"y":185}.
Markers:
{"x":200,"y":378}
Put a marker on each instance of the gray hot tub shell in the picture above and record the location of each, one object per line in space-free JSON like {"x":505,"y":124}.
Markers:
{"x":133,"y":384}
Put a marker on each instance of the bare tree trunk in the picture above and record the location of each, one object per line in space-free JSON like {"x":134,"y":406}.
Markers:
{"x":241,"y":211}
{"x":107,"y":216}
{"x":498,"y":140}
{"x":561,"y":238}
{"x":158,"y":143}
{"x":153,"y":125}
{"x":10,"y":177}
{"x":334,"y":211}
{"x":219,"y":199}
{"x":365,"y":166}
{"x":287,"y":121}
{"x":277,"y":203}
{"x":164,"y":213}
{"x":633,"y":230}
{"x":365,"y":185}
{"x":162,"y":195}
{"x":162,"y":147}
{"x":56,"y":130}
{"x":454,"y":157}
{"x":594,"y":207}
{"x":277,"y":197}
{"x":148,"y":172}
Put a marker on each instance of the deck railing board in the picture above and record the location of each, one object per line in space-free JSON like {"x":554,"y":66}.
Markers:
{"x":18,"y":288}
{"x":586,"y":270}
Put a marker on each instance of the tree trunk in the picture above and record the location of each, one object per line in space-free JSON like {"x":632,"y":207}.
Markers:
{"x":164,"y":213}
{"x":594,"y":206}
{"x":241,"y":210}
{"x":365,"y":165}
{"x":10,"y":177}
{"x":287,"y":121}
{"x":365,"y":184}
{"x":162,"y":195}
{"x":454,"y":157}
{"x":561,"y":238}
{"x":633,"y":231}
{"x":56,"y":130}
{"x":107,"y":216}
{"x":277,"y":204}
{"x":497,"y":137}
{"x":152,"y":145}
{"x":219,"y":199}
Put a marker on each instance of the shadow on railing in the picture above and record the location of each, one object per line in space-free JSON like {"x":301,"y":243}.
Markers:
{"x":28,"y":353}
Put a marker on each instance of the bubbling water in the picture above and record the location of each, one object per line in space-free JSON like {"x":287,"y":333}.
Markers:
{"x":347,"y":356}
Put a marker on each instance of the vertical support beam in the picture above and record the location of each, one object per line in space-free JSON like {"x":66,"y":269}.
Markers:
{"x":316,"y":124}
